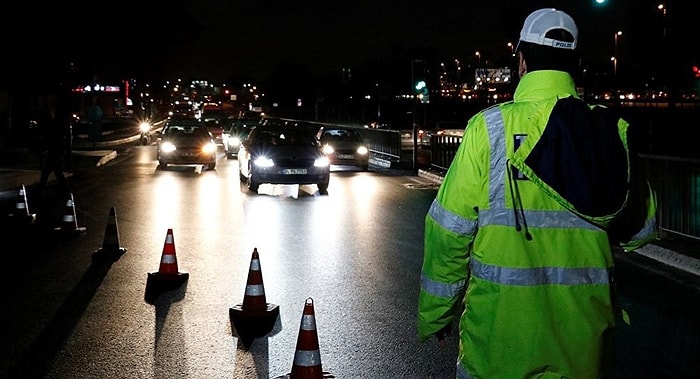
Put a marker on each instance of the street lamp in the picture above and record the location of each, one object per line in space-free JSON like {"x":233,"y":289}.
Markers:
{"x":662,"y":8}
{"x":615,"y":54}
{"x":478,"y":57}
{"x":512,"y":52}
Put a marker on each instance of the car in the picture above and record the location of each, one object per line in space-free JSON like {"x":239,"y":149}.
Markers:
{"x":236,"y":132}
{"x":280,"y":154}
{"x":216,"y":120}
{"x":216,"y":129}
{"x":185,"y":141}
{"x":345,"y":146}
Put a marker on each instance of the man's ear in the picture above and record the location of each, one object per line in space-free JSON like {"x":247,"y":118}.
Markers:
{"x":522,"y":65}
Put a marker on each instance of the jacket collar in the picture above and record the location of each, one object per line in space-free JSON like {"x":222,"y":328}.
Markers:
{"x":542,"y":84}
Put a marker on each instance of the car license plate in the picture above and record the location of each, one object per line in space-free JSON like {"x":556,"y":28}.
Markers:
{"x":345,"y":156}
{"x":294,"y":171}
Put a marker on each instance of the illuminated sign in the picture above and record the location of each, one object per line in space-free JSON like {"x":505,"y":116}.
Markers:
{"x":492,"y":76}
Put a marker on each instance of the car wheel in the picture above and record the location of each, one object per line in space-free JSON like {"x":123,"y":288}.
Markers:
{"x":211,"y":166}
{"x":241,"y":177}
{"x":365,"y":167}
{"x":162,"y":165}
{"x":252,"y":184}
{"x":323,"y":188}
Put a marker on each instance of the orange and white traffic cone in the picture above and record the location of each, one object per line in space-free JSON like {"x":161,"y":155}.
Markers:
{"x":69,"y":223}
{"x":307,"y":358}
{"x":21,"y":211}
{"x":254,"y":317}
{"x":168,"y":270}
{"x":110,"y":244}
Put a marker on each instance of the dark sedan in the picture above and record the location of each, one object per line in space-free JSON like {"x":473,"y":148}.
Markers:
{"x":345,"y":146}
{"x":283,"y":155}
{"x":186,"y":142}
{"x":237,"y":132}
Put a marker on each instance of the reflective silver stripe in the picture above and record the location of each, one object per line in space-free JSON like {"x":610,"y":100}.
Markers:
{"x":168,"y":238}
{"x":462,"y":372}
{"x":441,"y":289}
{"x":68,"y":218}
{"x":450,"y":221}
{"x":254,"y":290}
{"x":168,"y":258}
{"x":307,"y":358}
{"x":535,"y":218}
{"x":647,"y":231}
{"x":539,"y":275}
{"x":497,"y":172}
{"x":308,"y":322}
{"x":255,"y":265}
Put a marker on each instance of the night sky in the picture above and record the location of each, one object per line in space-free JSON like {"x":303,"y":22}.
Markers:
{"x":223,"y":39}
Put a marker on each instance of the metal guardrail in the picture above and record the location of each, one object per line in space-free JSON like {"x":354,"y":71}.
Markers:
{"x":677,"y":184}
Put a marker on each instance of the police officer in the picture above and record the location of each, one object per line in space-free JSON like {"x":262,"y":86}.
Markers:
{"x":518,"y":241}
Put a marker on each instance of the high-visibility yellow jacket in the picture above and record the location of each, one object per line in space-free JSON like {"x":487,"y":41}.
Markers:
{"x":519,"y":237}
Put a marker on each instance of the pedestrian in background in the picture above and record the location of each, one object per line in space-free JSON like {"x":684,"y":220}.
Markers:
{"x":53,"y":152}
{"x":95,"y":115}
{"x":519,"y":239}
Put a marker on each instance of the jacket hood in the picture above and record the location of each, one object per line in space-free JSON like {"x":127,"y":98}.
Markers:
{"x":580,"y":157}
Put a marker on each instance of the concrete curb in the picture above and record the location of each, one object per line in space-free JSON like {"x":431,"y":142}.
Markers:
{"x":671,"y":258}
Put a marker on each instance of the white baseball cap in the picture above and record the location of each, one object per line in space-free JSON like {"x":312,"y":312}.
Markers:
{"x":541,"y":21}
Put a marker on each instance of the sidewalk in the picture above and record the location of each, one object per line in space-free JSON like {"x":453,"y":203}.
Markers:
{"x":21,"y":165}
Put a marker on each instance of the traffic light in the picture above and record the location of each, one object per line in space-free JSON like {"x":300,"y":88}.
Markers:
{"x":420,"y":87}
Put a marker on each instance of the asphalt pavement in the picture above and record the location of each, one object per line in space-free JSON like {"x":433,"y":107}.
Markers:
{"x":19,"y":166}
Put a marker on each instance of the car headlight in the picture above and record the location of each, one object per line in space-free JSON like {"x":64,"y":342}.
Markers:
{"x":321,"y":162}
{"x":209,"y":148}
{"x":362,"y":150}
{"x":144,"y":127}
{"x":167,"y":147}
{"x":328,"y":149}
{"x":263,"y":162}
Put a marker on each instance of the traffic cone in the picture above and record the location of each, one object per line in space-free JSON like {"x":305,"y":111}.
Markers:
{"x":168,"y":271}
{"x":69,"y":224}
{"x":21,"y":211}
{"x":307,"y":358}
{"x":254,"y":317}
{"x":110,"y":244}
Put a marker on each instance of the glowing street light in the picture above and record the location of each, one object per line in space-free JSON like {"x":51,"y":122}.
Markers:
{"x":615,"y":54}
{"x":662,"y":8}
{"x":478,"y":56}
{"x":512,"y":52}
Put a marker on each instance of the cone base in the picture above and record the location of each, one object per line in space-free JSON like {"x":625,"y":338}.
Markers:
{"x":22,"y":218}
{"x":108,"y":253}
{"x":79,"y":229}
{"x":324,"y":375}
{"x":179,"y":276}
{"x":254,"y":324}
